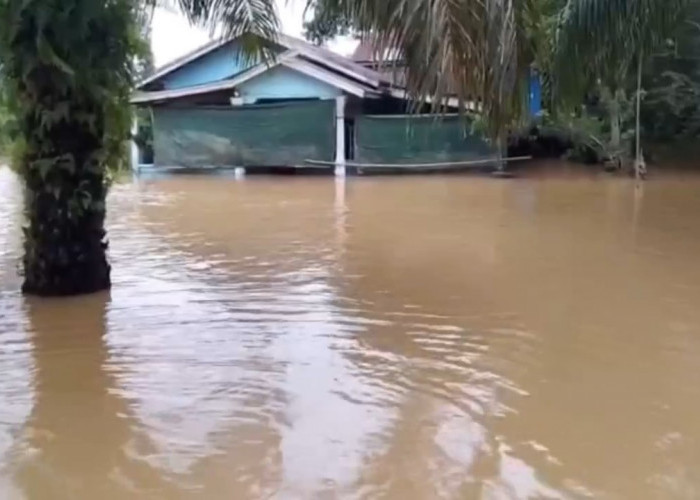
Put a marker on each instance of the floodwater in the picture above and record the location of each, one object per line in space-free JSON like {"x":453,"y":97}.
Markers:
{"x":386,"y":338}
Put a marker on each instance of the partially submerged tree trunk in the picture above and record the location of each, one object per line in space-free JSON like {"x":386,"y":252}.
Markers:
{"x":613,"y":99}
{"x":64,"y":248}
{"x":615,"y":148}
{"x":67,"y":64}
{"x":501,"y":160}
{"x":640,"y":168}
{"x":500,"y":163}
{"x":615,"y":122}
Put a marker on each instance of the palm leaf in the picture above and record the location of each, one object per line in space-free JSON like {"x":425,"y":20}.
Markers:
{"x":600,"y":39}
{"x":254,"y":22}
{"x":473,"y":49}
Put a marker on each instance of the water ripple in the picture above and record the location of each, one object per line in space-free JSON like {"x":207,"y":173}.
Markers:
{"x":402,"y":338}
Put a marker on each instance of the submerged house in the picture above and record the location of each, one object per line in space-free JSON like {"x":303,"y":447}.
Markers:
{"x":307,"y":108}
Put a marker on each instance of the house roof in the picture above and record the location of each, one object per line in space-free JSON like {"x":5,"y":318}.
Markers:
{"x":336,"y":61}
{"x":289,"y":59}
{"x":352,"y":77}
{"x":319,"y":55}
{"x":229,"y":83}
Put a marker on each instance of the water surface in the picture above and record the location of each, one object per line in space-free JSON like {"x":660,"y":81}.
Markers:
{"x":389,"y":338}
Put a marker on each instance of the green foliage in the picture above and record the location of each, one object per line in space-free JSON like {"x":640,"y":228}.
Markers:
{"x":588,"y":132}
{"x":474,"y":49}
{"x":600,"y":41}
{"x":327,"y":22}
{"x":580,"y":136}
{"x":540,"y":24}
{"x":6,"y":123}
{"x":482,"y":49}
{"x":671,"y":110}
{"x":672,"y":83}
{"x":119,"y":115}
{"x":144,"y":134}
{"x":144,"y":64}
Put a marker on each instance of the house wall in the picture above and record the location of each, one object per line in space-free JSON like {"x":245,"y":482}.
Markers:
{"x":219,"y":64}
{"x":285,"y":83}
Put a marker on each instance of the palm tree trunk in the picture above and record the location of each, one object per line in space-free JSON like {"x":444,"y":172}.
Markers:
{"x":639,"y":168}
{"x":500,"y":143}
{"x":615,"y":127}
{"x":500,"y":164}
{"x":65,"y":207}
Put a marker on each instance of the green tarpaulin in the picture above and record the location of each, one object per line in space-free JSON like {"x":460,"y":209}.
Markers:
{"x":417,"y":139}
{"x":261,"y":135}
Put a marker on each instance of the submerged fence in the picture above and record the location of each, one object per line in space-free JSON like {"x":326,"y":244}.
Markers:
{"x":417,"y":139}
{"x":261,"y":135}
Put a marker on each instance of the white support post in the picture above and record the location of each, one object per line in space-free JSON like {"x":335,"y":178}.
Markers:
{"x":135,"y":160}
{"x":340,"y":136}
{"x":340,"y":214}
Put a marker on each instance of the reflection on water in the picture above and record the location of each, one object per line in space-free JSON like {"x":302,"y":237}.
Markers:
{"x":376,"y":338}
{"x":77,"y":436}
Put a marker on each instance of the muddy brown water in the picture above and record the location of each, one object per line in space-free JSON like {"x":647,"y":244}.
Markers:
{"x":387,"y":338}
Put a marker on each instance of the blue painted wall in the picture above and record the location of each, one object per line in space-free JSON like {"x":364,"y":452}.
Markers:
{"x":285,"y":83}
{"x":535,"y":93}
{"x":218,"y":65}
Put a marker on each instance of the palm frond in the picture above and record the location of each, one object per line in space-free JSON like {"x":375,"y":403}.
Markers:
{"x":254,"y":22}
{"x":471,"y":49}
{"x":601,"y":38}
